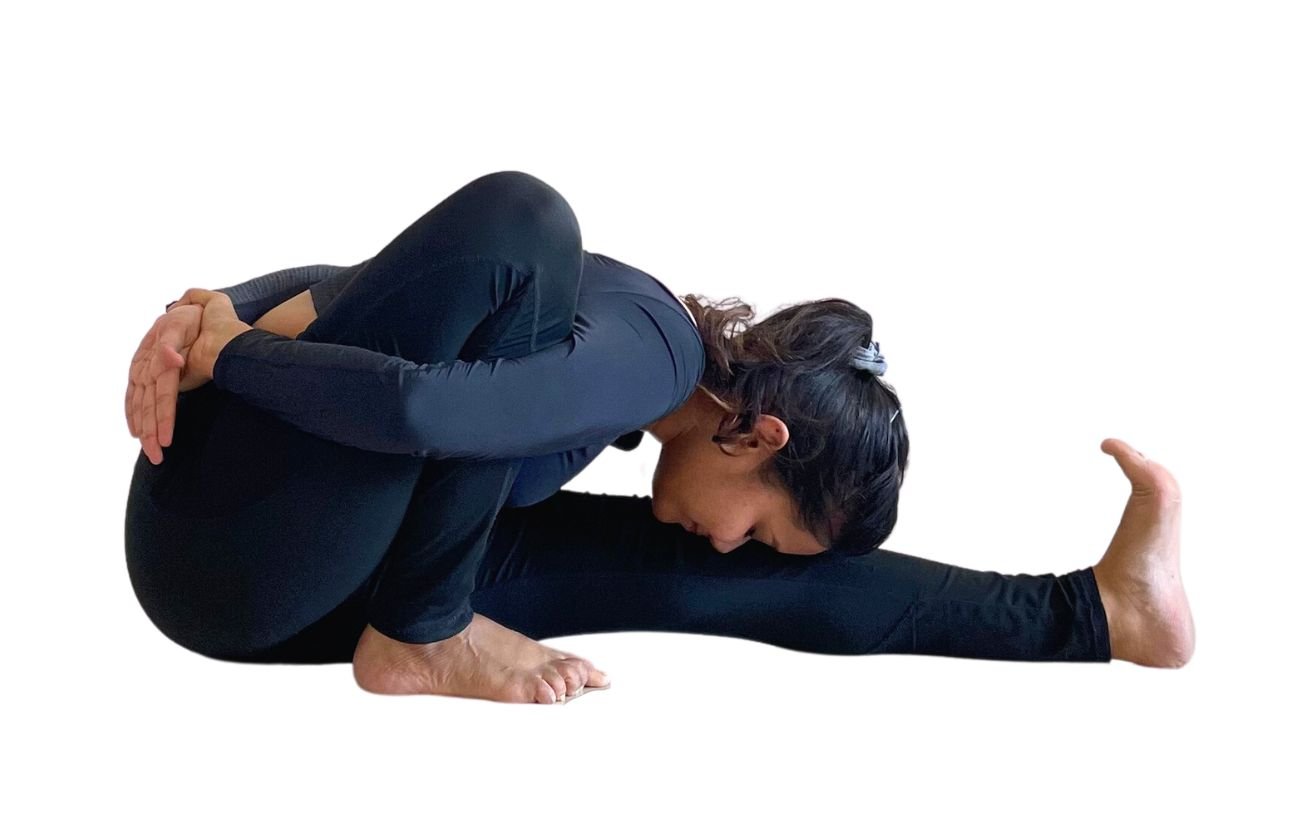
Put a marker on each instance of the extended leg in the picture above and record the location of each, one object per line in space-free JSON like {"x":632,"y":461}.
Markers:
{"x":585,"y":563}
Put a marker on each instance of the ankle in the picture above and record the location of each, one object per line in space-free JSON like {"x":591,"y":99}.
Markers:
{"x":1112,"y":604}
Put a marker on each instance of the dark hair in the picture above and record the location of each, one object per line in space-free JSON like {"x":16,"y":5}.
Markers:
{"x":845,"y":460}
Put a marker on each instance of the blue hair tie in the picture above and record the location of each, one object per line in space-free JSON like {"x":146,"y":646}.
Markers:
{"x":868,"y":358}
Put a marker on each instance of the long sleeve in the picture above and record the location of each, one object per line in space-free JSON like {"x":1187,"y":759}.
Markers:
{"x":254,"y":298}
{"x":539,"y":477}
{"x":631,"y":360}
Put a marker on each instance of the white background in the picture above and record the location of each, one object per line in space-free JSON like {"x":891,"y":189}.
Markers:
{"x":1068,"y":221}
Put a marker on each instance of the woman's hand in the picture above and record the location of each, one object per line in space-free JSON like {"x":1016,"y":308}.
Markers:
{"x":155,"y":370}
{"x":155,"y":377}
{"x":220,"y":325}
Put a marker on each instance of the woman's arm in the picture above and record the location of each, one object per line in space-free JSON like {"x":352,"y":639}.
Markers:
{"x":256,"y":297}
{"x":541,"y":476}
{"x":631,"y":361}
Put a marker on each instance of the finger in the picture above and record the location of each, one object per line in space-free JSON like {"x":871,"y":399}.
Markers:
{"x":154,"y":365}
{"x":187,"y":328}
{"x":130,"y":390}
{"x":195,"y":295}
{"x":132,"y":381}
{"x":171,"y":332}
{"x":150,"y":438}
{"x":168,"y":387}
{"x":137,"y":403}
{"x":134,"y":389}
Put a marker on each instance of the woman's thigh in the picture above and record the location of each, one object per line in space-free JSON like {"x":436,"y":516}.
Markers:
{"x":491,"y":271}
{"x":251,"y":530}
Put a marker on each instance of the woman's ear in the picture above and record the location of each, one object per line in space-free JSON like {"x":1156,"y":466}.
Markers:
{"x":768,"y":433}
{"x":771,"y":431}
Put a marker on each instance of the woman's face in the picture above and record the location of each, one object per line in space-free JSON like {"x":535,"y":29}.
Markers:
{"x":717,"y":495}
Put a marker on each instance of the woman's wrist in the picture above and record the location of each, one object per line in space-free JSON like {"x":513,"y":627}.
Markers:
{"x":218,"y":341}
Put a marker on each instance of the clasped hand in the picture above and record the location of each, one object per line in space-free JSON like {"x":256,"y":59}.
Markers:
{"x":176,"y":355}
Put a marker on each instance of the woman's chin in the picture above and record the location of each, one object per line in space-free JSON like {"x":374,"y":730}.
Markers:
{"x":654,"y":509}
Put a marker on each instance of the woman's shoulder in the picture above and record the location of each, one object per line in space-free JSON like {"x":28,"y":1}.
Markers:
{"x":601,"y":273}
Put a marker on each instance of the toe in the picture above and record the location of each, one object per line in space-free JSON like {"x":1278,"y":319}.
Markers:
{"x":1146,"y":475}
{"x":553,"y":677}
{"x":573,"y":674}
{"x":543,"y":692}
{"x":1121,"y":450}
{"x":593,"y":676}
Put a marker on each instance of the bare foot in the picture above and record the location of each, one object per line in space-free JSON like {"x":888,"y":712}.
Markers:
{"x":485,"y":660}
{"x":1139,"y":576}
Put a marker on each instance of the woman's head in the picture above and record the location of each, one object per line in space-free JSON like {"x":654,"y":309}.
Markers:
{"x":784,"y":440}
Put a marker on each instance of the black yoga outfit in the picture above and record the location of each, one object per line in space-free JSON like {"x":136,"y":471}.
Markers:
{"x":400,"y":464}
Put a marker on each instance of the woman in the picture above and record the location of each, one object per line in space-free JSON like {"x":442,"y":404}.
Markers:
{"x":367,"y":465}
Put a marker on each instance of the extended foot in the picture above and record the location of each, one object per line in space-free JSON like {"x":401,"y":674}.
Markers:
{"x":485,"y":660}
{"x":1139,"y":576}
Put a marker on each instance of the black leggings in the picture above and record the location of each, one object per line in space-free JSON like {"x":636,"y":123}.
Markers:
{"x":256,"y":541}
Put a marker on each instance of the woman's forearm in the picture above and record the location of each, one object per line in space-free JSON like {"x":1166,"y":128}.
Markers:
{"x":254,"y":297}
{"x":634,"y":361}
{"x":290,"y":318}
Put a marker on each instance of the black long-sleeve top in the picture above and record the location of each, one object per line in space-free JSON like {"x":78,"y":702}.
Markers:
{"x":634,"y":356}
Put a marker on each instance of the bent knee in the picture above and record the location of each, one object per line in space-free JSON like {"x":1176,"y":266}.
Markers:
{"x":516,"y":184}
{"x":524,"y":207}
